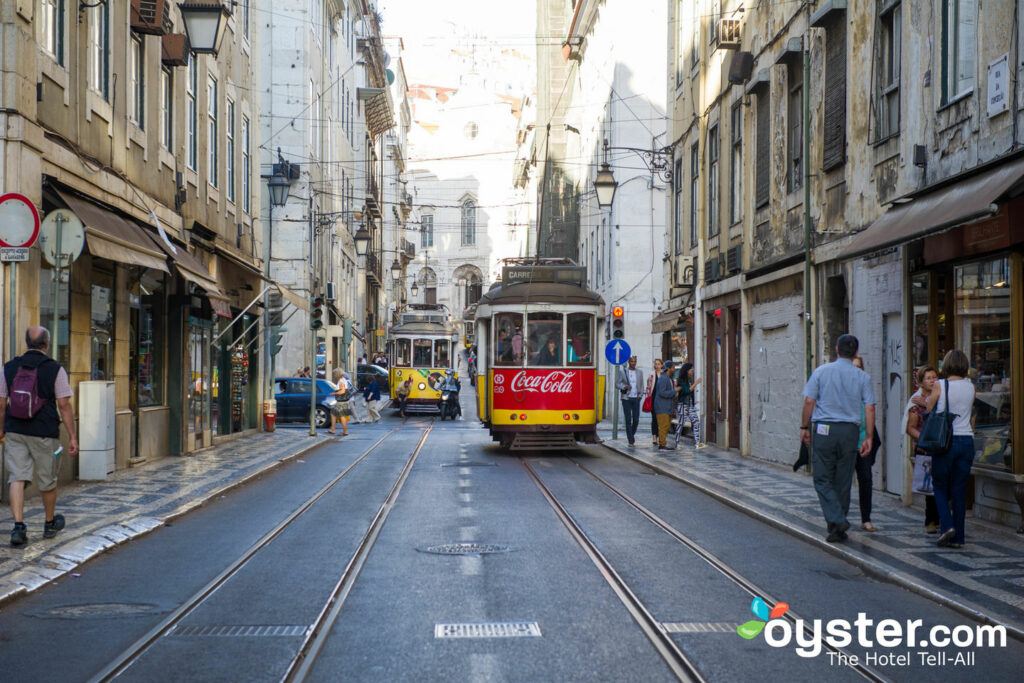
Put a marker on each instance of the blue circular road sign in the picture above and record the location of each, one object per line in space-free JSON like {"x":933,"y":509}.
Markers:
{"x":617,"y":351}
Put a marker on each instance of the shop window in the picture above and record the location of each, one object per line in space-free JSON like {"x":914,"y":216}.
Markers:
{"x":102,"y":333}
{"x":544,"y":336}
{"x":508,"y":342}
{"x":401,"y":353}
{"x":59,"y":333}
{"x":421,"y":353}
{"x":147,"y":336}
{"x":578,"y":343}
{"x":983,"y":333}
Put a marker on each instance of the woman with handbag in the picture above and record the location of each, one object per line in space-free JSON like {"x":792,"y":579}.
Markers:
{"x":648,"y":404}
{"x":913,"y":418}
{"x":341,"y":411}
{"x":954,"y":397}
{"x":686,"y":404}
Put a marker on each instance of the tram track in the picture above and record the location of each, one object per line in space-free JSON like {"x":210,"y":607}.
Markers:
{"x":316,"y":633}
{"x":670,"y":651}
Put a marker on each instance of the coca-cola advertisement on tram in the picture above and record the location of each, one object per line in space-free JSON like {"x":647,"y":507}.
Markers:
{"x":544,"y":389}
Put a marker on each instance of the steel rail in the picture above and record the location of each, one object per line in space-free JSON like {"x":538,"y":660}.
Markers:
{"x":718,"y":564}
{"x":677,"y":661}
{"x":140,"y":646}
{"x":303,"y":662}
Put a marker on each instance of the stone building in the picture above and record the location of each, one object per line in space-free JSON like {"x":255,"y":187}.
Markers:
{"x":109,"y":120}
{"x":850,"y":167}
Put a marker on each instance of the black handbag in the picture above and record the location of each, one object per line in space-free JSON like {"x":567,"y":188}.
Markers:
{"x":937,"y":430}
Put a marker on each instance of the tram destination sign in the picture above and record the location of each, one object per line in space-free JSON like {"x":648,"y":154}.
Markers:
{"x":573,"y":275}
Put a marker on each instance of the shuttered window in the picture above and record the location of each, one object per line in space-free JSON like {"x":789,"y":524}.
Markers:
{"x":834,"y":144}
{"x":763,"y":168}
{"x":795,"y":127}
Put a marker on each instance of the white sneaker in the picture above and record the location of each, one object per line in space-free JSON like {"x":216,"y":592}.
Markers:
{"x":701,"y":445}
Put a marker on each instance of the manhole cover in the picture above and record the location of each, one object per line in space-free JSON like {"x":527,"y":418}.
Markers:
{"x":470,"y":464}
{"x":487,"y":630}
{"x":96,"y":610}
{"x":465,"y":549}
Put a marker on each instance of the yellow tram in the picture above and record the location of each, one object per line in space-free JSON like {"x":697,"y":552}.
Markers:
{"x":421,"y":348}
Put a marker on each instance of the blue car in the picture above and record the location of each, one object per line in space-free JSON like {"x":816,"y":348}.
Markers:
{"x":292,"y":394}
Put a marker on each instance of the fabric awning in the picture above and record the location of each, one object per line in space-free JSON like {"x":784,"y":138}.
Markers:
{"x":296,"y":300}
{"x":190,"y":268}
{"x":947,"y":207}
{"x":111,"y":237}
{"x":236,"y":257}
{"x":663,"y":322}
{"x":220,"y":304}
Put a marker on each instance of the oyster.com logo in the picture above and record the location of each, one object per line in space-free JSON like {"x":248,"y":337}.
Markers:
{"x":760,"y":608}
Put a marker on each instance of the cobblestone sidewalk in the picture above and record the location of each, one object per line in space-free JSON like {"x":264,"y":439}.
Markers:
{"x":132,"y":502}
{"x":984,"y":579}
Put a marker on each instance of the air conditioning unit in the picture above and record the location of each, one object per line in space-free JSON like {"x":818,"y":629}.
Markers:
{"x":148,"y":16}
{"x":684,"y":271}
{"x":728,"y":34}
{"x":330,"y":292}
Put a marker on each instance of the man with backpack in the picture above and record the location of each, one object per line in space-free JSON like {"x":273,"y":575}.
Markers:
{"x":35,"y":397}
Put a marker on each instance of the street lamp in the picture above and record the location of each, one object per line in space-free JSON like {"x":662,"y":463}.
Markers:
{"x":362,"y":238}
{"x":604,"y":185}
{"x":415,"y":289}
{"x":396,"y":270}
{"x":279,"y":187}
{"x":205,"y":21}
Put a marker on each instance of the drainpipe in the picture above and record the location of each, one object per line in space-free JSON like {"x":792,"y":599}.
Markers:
{"x":808,"y":348}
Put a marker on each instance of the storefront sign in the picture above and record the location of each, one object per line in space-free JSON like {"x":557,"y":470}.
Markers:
{"x":998,"y":93}
{"x":977,"y":238}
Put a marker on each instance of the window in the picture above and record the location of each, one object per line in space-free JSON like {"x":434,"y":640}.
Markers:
{"x":441,"y":353}
{"x":421,"y":353}
{"x":99,"y":63}
{"x":736,"y":165}
{"x":713,"y":184}
{"x":694,"y":35}
{"x":795,"y":127}
{"x":713,"y":17}
{"x":147,"y":324}
{"x":681,"y":26}
{"x":51,"y":28}
{"x":959,"y":20}
{"x":191,"y":114}
{"x":578,"y":342}
{"x":471,"y":130}
{"x":137,"y":86}
{"x":427,"y":231}
{"x":887,"y":70}
{"x":245,"y":18}
{"x":508,"y":343}
{"x":400,"y":353}
{"x":468,"y":223}
{"x":211,"y":139}
{"x":231,"y":150}
{"x":677,"y":182}
{"x":834,"y":143}
{"x":246,"y":165}
{"x":47,"y":283}
{"x":763,"y":160}
{"x":694,"y":191}
{"x":474,"y":290}
{"x":166,"y":108}
{"x":544,"y":338}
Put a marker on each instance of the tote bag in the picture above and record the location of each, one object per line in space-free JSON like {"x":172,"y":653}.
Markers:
{"x":937,"y":431}
{"x":648,"y":404}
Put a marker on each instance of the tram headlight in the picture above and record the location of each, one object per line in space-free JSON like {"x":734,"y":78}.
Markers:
{"x":575,"y":416}
{"x":513,"y":416}
{"x":522,"y":416}
{"x":421,"y":386}
{"x":398,"y":373}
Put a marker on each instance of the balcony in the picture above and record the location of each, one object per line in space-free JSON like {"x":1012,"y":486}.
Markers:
{"x":373,"y":268}
{"x":405,"y":205}
{"x":373,"y":206}
{"x":408,"y":250}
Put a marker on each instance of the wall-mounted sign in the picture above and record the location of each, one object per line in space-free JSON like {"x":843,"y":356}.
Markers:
{"x":998,"y":90}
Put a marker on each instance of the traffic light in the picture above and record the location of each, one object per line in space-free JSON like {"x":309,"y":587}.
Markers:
{"x":316,"y":313}
{"x":276,"y":334}
{"x":618,"y":323}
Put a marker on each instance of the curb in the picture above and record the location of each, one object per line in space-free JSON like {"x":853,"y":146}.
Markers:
{"x":59,"y":564}
{"x":875,"y":569}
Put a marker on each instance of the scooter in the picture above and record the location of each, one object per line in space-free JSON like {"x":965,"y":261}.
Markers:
{"x":449,"y":407}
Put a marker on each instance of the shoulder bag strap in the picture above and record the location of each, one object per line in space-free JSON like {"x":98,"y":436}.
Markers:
{"x":947,"y":397}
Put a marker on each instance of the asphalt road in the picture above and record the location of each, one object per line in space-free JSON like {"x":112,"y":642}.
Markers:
{"x":547,"y":611}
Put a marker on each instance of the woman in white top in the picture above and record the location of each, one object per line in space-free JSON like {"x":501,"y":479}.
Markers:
{"x":951,"y":470}
{"x":650,"y":392}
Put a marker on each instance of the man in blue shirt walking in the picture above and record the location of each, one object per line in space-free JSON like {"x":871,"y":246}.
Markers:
{"x":833,"y":398}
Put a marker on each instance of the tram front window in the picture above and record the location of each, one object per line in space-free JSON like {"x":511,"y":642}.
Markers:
{"x":400,"y":353}
{"x":421,"y":353}
{"x":508,"y":342}
{"x":441,"y":353}
{"x":577,"y":346}
{"x":545,"y":339}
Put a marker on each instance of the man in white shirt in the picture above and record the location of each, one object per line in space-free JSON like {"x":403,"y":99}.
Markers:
{"x":629,"y":383}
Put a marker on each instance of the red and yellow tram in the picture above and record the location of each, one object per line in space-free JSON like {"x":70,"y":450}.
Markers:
{"x":539,"y":385}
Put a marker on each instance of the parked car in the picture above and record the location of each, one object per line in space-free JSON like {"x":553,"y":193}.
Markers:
{"x":365,"y":372}
{"x":292,"y":394}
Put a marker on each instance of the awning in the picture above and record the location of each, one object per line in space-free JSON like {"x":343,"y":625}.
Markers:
{"x":377,"y":109}
{"x":221,"y":305}
{"x":663,"y":322}
{"x":111,"y":237}
{"x":944,"y":208}
{"x":236,"y":257}
{"x":296,"y":300}
{"x":190,"y":268}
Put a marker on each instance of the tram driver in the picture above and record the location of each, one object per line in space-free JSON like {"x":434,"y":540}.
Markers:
{"x":549,"y":353}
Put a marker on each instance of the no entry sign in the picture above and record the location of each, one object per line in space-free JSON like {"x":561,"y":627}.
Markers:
{"x":19,"y":221}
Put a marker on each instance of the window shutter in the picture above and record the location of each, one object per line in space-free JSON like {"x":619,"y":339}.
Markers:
{"x":834,"y":153}
{"x":763,"y":169}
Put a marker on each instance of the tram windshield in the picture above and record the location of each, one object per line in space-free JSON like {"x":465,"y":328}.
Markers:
{"x":441,"y":357}
{"x":577,"y":343}
{"x":508,"y":346}
{"x":401,"y":353}
{"x":544,"y":335}
{"x":421,"y":353}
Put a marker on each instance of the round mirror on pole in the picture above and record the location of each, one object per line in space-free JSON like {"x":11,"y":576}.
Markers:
{"x":362,"y":238}
{"x":604,"y":185}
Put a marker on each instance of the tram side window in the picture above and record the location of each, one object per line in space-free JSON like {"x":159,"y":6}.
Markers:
{"x":577,"y":344}
{"x":544,"y":336}
{"x":421,"y":353}
{"x":441,"y":353}
{"x":401,"y":353}
{"x":508,"y":342}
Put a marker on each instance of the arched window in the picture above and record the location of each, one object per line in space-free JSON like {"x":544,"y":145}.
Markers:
{"x":468,"y":223}
{"x":471,"y":280}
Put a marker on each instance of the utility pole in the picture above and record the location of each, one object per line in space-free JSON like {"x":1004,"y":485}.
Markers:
{"x":808,"y":348}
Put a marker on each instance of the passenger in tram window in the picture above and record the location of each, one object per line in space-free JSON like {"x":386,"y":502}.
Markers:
{"x":548,"y":354}
{"x":502,"y":341}
{"x":579,"y":347}
{"x":516,"y":344}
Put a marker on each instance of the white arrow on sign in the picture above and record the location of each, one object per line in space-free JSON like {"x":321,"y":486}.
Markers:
{"x":618,"y":352}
